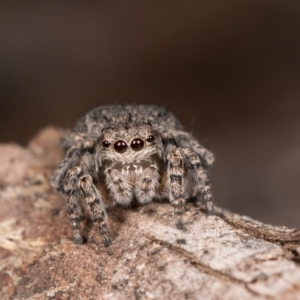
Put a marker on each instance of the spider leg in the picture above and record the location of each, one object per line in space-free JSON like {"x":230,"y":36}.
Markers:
{"x":74,"y":210}
{"x":120,"y":188}
{"x":79,"y":154}
{"x":72,"y":159}
{"x":146,"y":185}
{"x":207,"y":157}
{"x":193,"y":162}
{"x":79,"y":183}
{"x":175,"y":174}
{"x":184,"y":139}
{"x":96,"y":206}
{"x":74,"y":179}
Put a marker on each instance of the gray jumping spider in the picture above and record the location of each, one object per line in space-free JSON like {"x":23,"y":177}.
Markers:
{"x":119,"y":153}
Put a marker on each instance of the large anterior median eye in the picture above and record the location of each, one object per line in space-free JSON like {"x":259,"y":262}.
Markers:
{"x":120,"y":146}
{"x":137,"y":144}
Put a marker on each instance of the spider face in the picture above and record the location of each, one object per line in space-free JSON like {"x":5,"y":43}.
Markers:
{"x":117,"y":154}
{"x":129,"y":143}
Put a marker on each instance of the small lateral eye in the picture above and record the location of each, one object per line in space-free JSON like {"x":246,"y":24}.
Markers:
{"x":106,"y":144}
{"x":137,"y":145}
{"x":150,"y":138}
{"x":120,"y":146}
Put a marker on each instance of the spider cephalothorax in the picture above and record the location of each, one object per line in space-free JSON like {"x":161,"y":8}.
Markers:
{"x":117,"y":154}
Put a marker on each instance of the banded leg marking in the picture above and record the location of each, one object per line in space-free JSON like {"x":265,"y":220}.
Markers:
{"x":71,"y":194}
{"x":96,"y":206}
{"x":194,"y":163}
{"x":176,"y":180}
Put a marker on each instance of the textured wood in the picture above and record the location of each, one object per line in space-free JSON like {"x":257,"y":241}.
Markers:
{"x":225,"y":256}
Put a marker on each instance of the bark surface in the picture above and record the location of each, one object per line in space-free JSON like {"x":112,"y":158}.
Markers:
{"x":225,"y":256}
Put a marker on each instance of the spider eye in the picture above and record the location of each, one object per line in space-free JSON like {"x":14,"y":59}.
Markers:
{"x":120,"y":146}
{"x":137,"y":145}
{"x":150,"y":138}
{"x":106,"y":144}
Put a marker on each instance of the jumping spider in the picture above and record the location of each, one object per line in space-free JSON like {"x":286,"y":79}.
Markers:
{"x":122,"y":153}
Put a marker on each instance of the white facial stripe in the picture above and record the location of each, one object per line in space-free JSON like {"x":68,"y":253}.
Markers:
{"x":132,"y":168}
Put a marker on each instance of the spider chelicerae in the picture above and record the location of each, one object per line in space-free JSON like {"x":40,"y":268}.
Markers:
{"x":118,"y":154}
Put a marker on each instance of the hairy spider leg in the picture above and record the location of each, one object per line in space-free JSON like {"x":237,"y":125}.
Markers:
{"x":119,"y":187}
{"x":175,"y":173}
{"x":70,"y":194}
{"x":96,"y":206}
{"x":186,"y":140}
{"x":145,"y":187}
{"x":193,"y":163}
{"x":73,"y":181}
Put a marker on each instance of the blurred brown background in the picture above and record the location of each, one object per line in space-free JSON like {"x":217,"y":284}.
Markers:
{"x":230,"y":70}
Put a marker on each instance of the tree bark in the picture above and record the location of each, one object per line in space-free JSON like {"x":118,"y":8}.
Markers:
{"x":225,"y":256}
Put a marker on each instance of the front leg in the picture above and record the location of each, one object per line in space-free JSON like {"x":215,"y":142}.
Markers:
{"x":71,"y":194}
{"x":79,"y":184}
{"x":193,"y":163}
{"x":96,"y":206}
{"x":80,"y":154}
{"x":181,"y":139}
{"x":175,"y":174}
